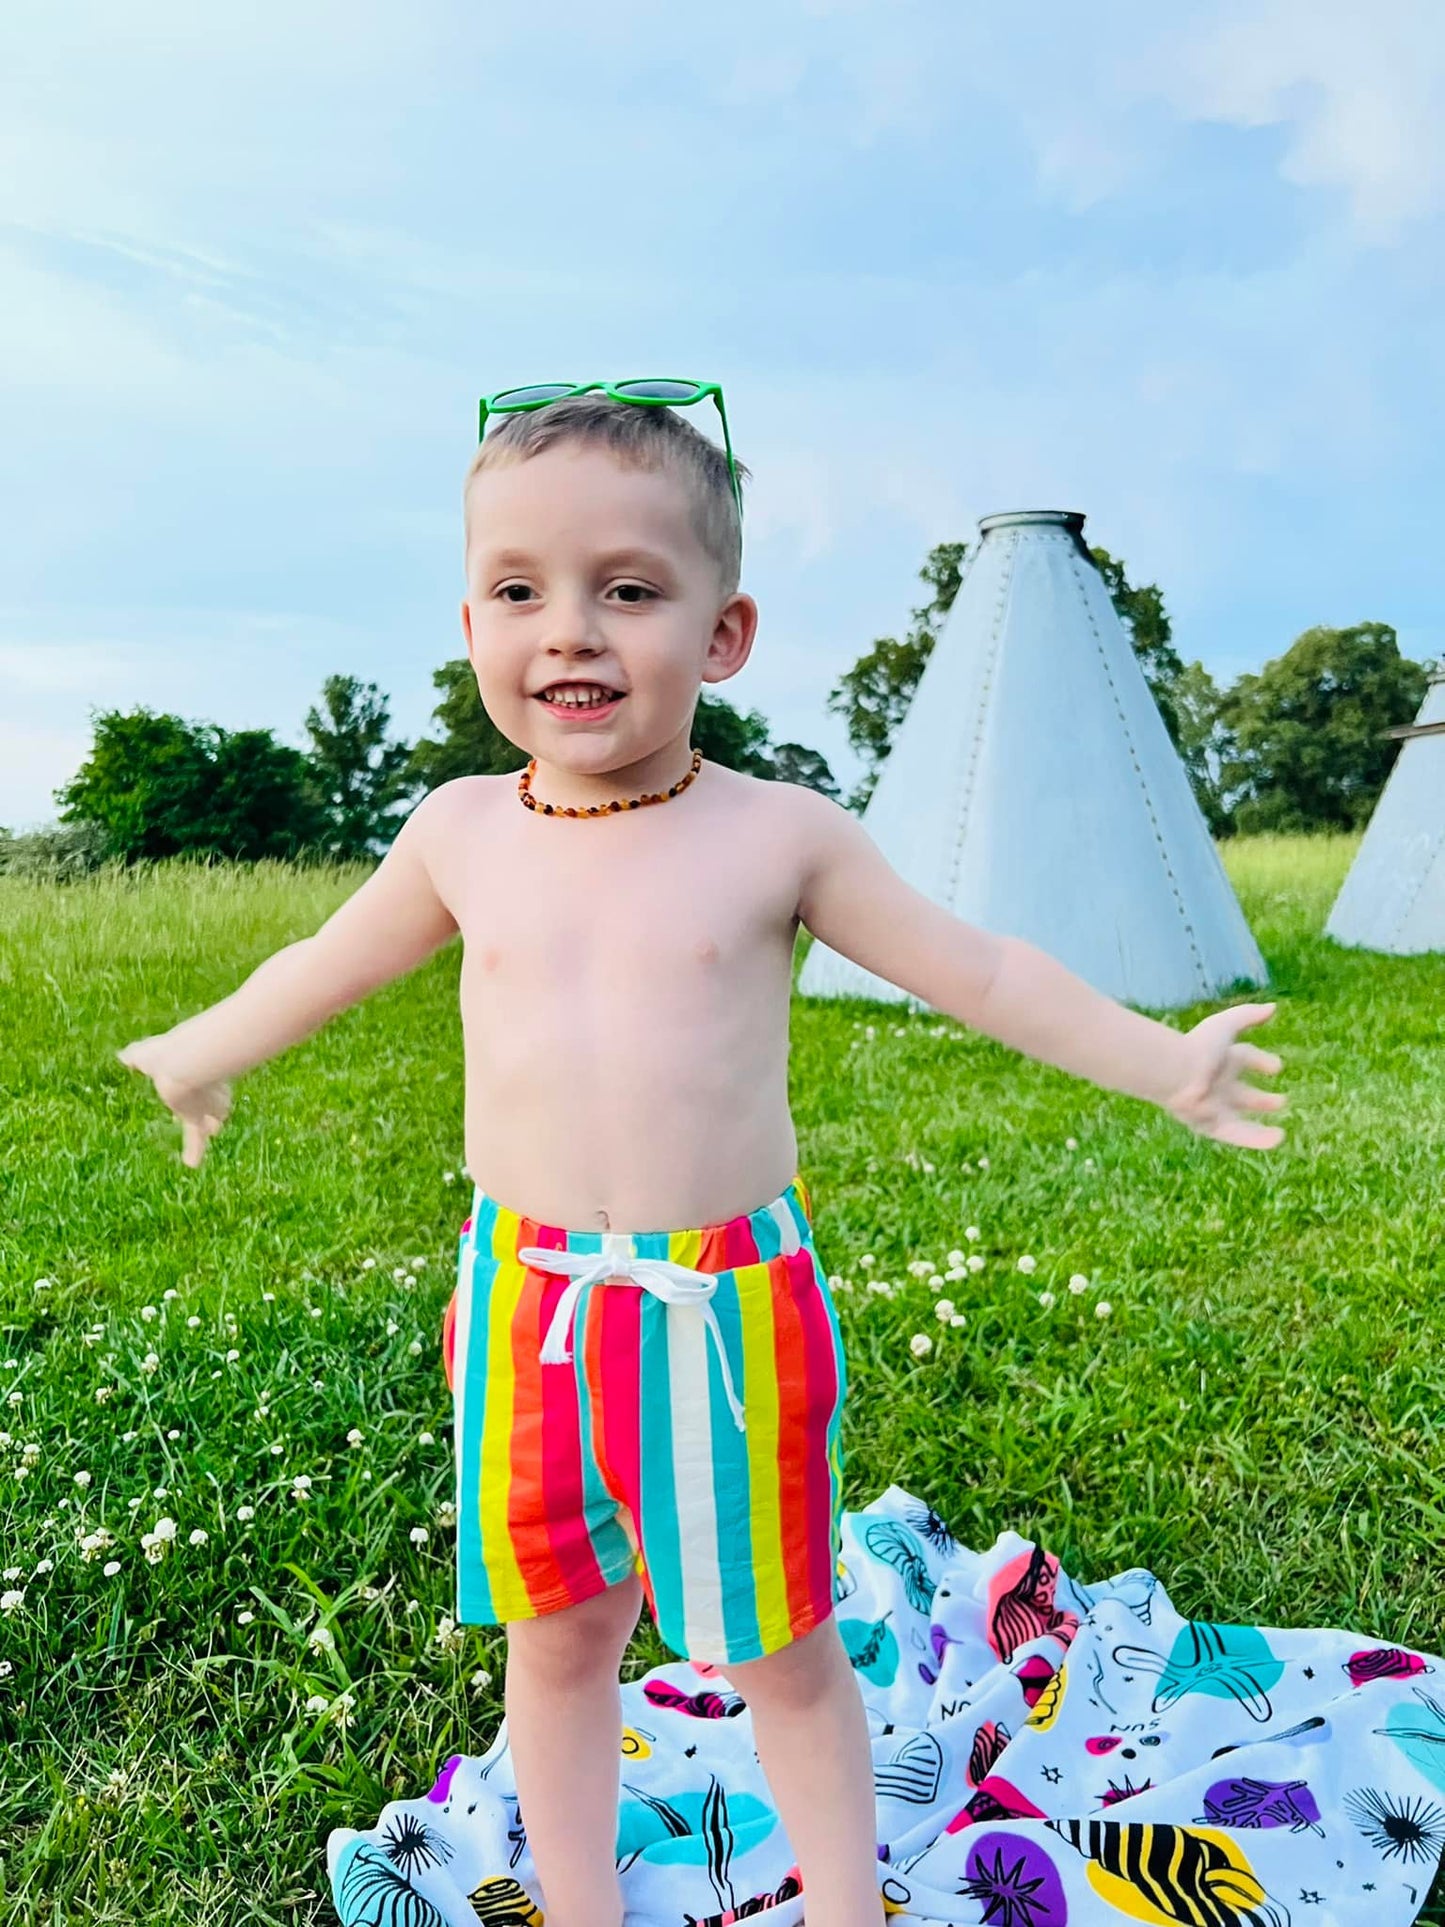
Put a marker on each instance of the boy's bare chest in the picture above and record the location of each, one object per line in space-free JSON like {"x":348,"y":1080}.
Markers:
{"x":582,"y":918}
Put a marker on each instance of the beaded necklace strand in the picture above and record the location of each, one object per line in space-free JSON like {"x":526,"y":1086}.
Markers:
{"x":524,"y":790}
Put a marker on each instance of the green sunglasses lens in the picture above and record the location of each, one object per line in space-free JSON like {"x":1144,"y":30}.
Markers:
{"x":520,"y":397}
{"x":660,"y":390}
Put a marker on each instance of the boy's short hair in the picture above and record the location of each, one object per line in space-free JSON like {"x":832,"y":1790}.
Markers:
{"x":639,"y":437}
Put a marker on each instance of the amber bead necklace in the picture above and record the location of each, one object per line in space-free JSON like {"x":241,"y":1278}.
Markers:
{"x":524,"y":790}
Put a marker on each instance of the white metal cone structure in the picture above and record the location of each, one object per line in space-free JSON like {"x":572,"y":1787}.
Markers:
{"x":1032,"y":788}
{"x":1394,"y":896}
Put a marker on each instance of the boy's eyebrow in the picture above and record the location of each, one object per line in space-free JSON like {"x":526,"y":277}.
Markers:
{"x":520,"y":558}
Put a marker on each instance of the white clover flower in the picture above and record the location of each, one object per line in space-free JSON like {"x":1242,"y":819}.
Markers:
{"x":315,"y":1310}
{"x":955,"y":1257}
{"x":12,"y":1572}
{"x":415,"y":1348}
{"x":172,"y":1292}
{"x":245,"y":1618}
{"x":102,"y":1393}
{"x":976,"y":1261}
{"x":449,"y":1636}
{"x":354,"y":1437}
{"x":22,"y":1471}
{"x":867,"y":1259}
{"x":174,"y":1433}
{"x":425,"y":1438}
{"x":165,"y":1528}
{"x":268,"y":1297}
{"x":13,"y":1600}
{"x":958,"y":1318}
{"x":43,"y":1284}
{"x":878,"y":1284}
{"x":277,"y":1449}
{"x":449,"y":1177}
{"x":1088,"y":1164}
{"x":368,"y":1264}
{"x":943,"y":1310}
{"x":147,"y":1311}
{"x":200,"y":1536}
{"x":150,"y":1361}
{"x":446,"y":1514}
{"x":1078,"y":1283}
{"x":1071,"y":1144}
{"x":983,"y":1164}
{"x":44,"y":1565}
{"x":920,"y":1344}
{"x":413,"y":1605}
{"x":300,"y":1485}
{"x":419,"y":1535}
{"x":479,"y":1679}
{"x":317,"y":1703}
{"x":1026,"y":1263}
{"x":1102,"y":1308}
{"x":927,"y":1166}
{"x":111,"y":1568}
{"x":971,"y":1232}
{"x":82,"y":1478}
{"x":245,"y":1512}
{"x":392,"y":1328}
{"x":417,"y":1263}
{"x":232,"y":1355}
{"x":30,"y":1453}
{"x":192,"y":1322}
{"x":1046,"y":1299}
{"x":321,"y":1639}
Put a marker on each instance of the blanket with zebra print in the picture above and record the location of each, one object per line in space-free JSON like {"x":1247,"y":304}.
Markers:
{"x":1044,"y":1753}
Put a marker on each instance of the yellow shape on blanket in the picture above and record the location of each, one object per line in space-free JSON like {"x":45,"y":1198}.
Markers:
{"x":1046,"y":1710}
{"x":635,"y":1745}
{"x":500,"y":1902}
{"x":1171,"y":1876}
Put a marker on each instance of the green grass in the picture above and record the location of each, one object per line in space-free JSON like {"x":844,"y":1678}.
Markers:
{"x":1261,"y":1420}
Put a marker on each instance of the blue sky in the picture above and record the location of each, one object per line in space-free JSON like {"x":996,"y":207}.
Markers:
{"x":1178,"y":268}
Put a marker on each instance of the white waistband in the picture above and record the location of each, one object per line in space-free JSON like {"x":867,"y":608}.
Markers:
{"x":674,"y":1284}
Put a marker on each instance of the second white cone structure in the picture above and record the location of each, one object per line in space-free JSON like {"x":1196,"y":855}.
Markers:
{"x":1033,"y":789}
{"x":1394,"y":896}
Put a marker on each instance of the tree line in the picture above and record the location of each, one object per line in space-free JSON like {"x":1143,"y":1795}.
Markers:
{"x":1299,"y":746}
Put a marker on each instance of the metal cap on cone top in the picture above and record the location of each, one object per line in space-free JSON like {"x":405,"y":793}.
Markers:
{"x":1070,"y":519}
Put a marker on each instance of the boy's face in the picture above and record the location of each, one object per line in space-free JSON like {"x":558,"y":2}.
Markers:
{"x":579,"y":569}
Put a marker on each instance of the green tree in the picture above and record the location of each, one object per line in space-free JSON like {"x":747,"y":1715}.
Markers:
{"x":158,"y":786}
{"x":873,"y":696}
{"x":1204,"y":742}
{"x":361,"y":775}
{"x":1308,"y":748}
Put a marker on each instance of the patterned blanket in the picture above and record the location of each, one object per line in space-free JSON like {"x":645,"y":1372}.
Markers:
{"x":1044,"y":1753}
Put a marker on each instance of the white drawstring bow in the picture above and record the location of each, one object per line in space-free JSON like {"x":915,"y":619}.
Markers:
{"x":674,"y":1284}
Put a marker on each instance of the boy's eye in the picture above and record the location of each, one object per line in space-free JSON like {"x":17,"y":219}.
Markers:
{"x":632,"y":592}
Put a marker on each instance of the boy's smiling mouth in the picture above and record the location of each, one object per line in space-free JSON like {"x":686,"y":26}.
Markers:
{"x":586,"y":698}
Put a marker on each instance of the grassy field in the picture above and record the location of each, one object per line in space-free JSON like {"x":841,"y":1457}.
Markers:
{"x":1260,"y":1419}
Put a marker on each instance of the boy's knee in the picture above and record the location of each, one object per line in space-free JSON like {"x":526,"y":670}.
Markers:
{"x":578,"y":1642}
{"x":796,"y":1675}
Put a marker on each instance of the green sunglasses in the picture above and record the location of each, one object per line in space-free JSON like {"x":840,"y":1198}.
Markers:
{"x":655,"y":393}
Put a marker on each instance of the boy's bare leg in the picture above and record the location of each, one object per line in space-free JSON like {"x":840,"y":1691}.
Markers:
{"x":812,"y":1738}
{"x":564,"y":1729}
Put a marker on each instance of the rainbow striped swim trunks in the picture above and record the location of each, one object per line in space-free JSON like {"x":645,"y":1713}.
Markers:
{"x":665,"y":1402}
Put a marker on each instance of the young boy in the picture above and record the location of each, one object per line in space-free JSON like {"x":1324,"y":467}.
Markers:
{"x":643,"y":1351}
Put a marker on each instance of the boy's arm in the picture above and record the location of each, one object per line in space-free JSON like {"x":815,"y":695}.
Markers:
{"x":386,"y":928}
{"x":854,"y":900}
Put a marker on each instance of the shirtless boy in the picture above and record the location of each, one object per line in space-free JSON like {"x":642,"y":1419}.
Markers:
{"x":643,"y":1351}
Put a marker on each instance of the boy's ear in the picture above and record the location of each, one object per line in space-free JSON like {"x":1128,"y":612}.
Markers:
{"x":732,"y":636}
{"x":467,"y":625}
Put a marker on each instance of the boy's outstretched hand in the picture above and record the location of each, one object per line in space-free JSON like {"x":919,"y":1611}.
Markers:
{"x":202,"y":1108}
{"x":1213,"y":1098}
